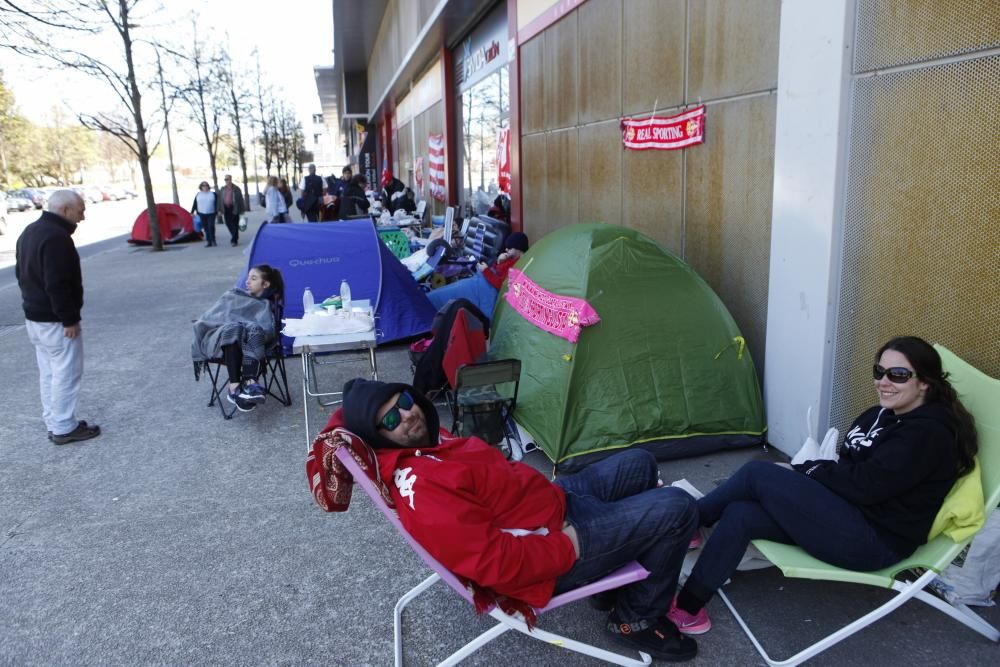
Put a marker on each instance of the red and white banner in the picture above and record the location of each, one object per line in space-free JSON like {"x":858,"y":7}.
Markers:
{"x":418,"y":174}
{"x":435,"y":165}
{"x":670,"y":133}
{"x":503,"y":159}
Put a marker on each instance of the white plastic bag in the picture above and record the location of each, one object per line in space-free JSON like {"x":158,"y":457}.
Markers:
{"x":974,"y":579}
{"x":813,"y":451}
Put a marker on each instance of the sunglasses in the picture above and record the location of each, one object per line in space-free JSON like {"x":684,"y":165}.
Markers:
{"x":392,"y":419}
{"x":896,"y":374}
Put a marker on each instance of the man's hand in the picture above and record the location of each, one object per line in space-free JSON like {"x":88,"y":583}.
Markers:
{"x":72,"y":331}
{"x":570,"y":532}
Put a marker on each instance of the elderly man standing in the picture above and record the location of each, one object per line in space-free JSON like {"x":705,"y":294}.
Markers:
{"x":48,"y":273}
{"x":233,"y":207}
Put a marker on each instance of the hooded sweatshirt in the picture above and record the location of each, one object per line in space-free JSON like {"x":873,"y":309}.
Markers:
{"x":896,"y":469}
{"x":494,"y":522}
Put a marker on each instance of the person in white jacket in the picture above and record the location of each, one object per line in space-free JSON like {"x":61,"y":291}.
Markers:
{"x":277,"y":209}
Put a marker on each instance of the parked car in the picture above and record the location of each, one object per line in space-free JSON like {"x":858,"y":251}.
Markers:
{"x":90,"y":195}
{"x":16,"y":203}
{"x":37,"y":197}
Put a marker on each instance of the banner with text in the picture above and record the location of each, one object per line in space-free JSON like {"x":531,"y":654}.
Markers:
{"x":563,"y":316}
{"x":669,"y":133}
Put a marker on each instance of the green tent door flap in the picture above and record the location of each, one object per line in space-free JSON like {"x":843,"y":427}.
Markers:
{"x":666,"y":368}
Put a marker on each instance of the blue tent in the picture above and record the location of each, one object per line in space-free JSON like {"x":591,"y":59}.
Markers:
{"x":319,"y":256}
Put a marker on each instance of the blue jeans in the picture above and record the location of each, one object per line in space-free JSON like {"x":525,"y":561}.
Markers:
{"x":765,"y":501}
{"x":620,"y":515}
{"x":208,"y":226}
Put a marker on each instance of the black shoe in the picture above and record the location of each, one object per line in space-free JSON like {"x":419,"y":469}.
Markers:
{"x":82,"y":432}
{"x":659,"y":638}
{"x":234,"y":243}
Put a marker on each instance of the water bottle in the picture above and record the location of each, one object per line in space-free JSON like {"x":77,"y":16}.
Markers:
{"x":345,"y":297}
{"x":307,"y":301}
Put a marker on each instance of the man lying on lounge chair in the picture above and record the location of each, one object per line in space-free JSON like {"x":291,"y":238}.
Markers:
{"x":507,"y":528}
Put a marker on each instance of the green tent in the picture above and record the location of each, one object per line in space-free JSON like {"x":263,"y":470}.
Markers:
{"x":665,"y":368}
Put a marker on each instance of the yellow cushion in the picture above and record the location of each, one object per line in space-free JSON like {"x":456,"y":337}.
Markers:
{"x":961,"y":513}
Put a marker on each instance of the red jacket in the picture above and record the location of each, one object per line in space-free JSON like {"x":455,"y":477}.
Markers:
{"x":457,"y":498}
{"x":497,"y":273}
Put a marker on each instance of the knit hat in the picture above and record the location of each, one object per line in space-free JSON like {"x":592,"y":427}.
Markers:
{"x":517,"y":240}
{"x":362,"y":400}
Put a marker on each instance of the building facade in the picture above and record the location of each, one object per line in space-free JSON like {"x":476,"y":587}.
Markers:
{"x":846,"y":191}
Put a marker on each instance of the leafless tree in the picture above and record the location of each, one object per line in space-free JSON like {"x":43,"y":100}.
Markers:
{"x":205,"y":95}
{"x":237,"y":111}
{"x":64,"y":33}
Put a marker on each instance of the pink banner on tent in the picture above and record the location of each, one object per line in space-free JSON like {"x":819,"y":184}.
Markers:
{"x":563,"y":316}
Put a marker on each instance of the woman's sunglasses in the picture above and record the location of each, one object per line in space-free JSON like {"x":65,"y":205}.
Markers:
{"x":896,"y":374}
{"x":393,"y":419}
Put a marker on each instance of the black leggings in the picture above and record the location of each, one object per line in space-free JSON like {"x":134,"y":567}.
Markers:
{"x":240,"y":369}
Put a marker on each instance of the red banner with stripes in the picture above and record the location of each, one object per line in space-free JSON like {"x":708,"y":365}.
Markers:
{"x":435,"y":166}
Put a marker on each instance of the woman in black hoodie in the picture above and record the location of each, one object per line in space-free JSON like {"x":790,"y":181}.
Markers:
{"x":870,"y":509}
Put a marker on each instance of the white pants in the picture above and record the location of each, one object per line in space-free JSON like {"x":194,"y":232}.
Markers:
{"x":60,"y":370}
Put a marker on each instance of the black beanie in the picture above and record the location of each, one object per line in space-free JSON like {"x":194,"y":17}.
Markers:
{"x":362,"y":400}
{"x":517,"y":240}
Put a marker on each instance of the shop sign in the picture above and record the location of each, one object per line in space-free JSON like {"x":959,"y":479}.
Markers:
{"x":665,"y":133}
{"x":484,"y":50}
{"x":483,"y":56}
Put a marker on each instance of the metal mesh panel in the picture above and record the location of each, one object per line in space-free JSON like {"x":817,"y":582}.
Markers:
{"x":730,"y":180}
{"x":898,"y":32}
{"x":921,"y":246}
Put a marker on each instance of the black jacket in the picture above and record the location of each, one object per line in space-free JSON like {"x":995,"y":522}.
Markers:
{"x":897,"y":470}
{"x":48,"y":271}
{"x":312,"y":194}
{"x":354,"y":201}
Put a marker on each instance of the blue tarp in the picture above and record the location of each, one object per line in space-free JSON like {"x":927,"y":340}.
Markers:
{"x":320,"y":255}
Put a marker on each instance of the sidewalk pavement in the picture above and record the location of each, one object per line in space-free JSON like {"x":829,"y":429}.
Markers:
{"x":179,"y":538}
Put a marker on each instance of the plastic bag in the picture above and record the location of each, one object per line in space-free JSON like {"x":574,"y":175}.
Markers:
{"x":972,"y":578}
{"x":243,"y":223}
{"x":813,"y":451}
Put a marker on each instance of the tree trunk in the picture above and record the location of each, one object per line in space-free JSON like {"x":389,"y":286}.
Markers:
{"x":140,"y":129}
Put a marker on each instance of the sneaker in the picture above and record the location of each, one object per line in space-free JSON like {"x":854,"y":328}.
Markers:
{"x":696,"y":541}
{"x":252,"y":392}
{"x":83,"y":431}
{"x":659,"y":638}
{"x":242,"y":404}
{"x":689,"y":624}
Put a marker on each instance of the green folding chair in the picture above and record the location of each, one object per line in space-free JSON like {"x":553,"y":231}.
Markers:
{"x":981,"y":395}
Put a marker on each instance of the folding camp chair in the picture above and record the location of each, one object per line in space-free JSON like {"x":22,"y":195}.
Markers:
{"x":272,"y":371}
{"x":981,"y":395}
{"x":483,"y":400}
{"x":629,"y":574}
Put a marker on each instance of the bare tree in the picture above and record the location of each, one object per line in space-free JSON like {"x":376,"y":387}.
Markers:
{"x":204,"y":94}
{"x":238,"y":110}
{"x":39,"y":29}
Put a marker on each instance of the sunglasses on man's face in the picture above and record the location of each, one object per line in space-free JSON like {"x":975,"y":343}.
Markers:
{"x":896,"y":374}
{"x":392,"y":419}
